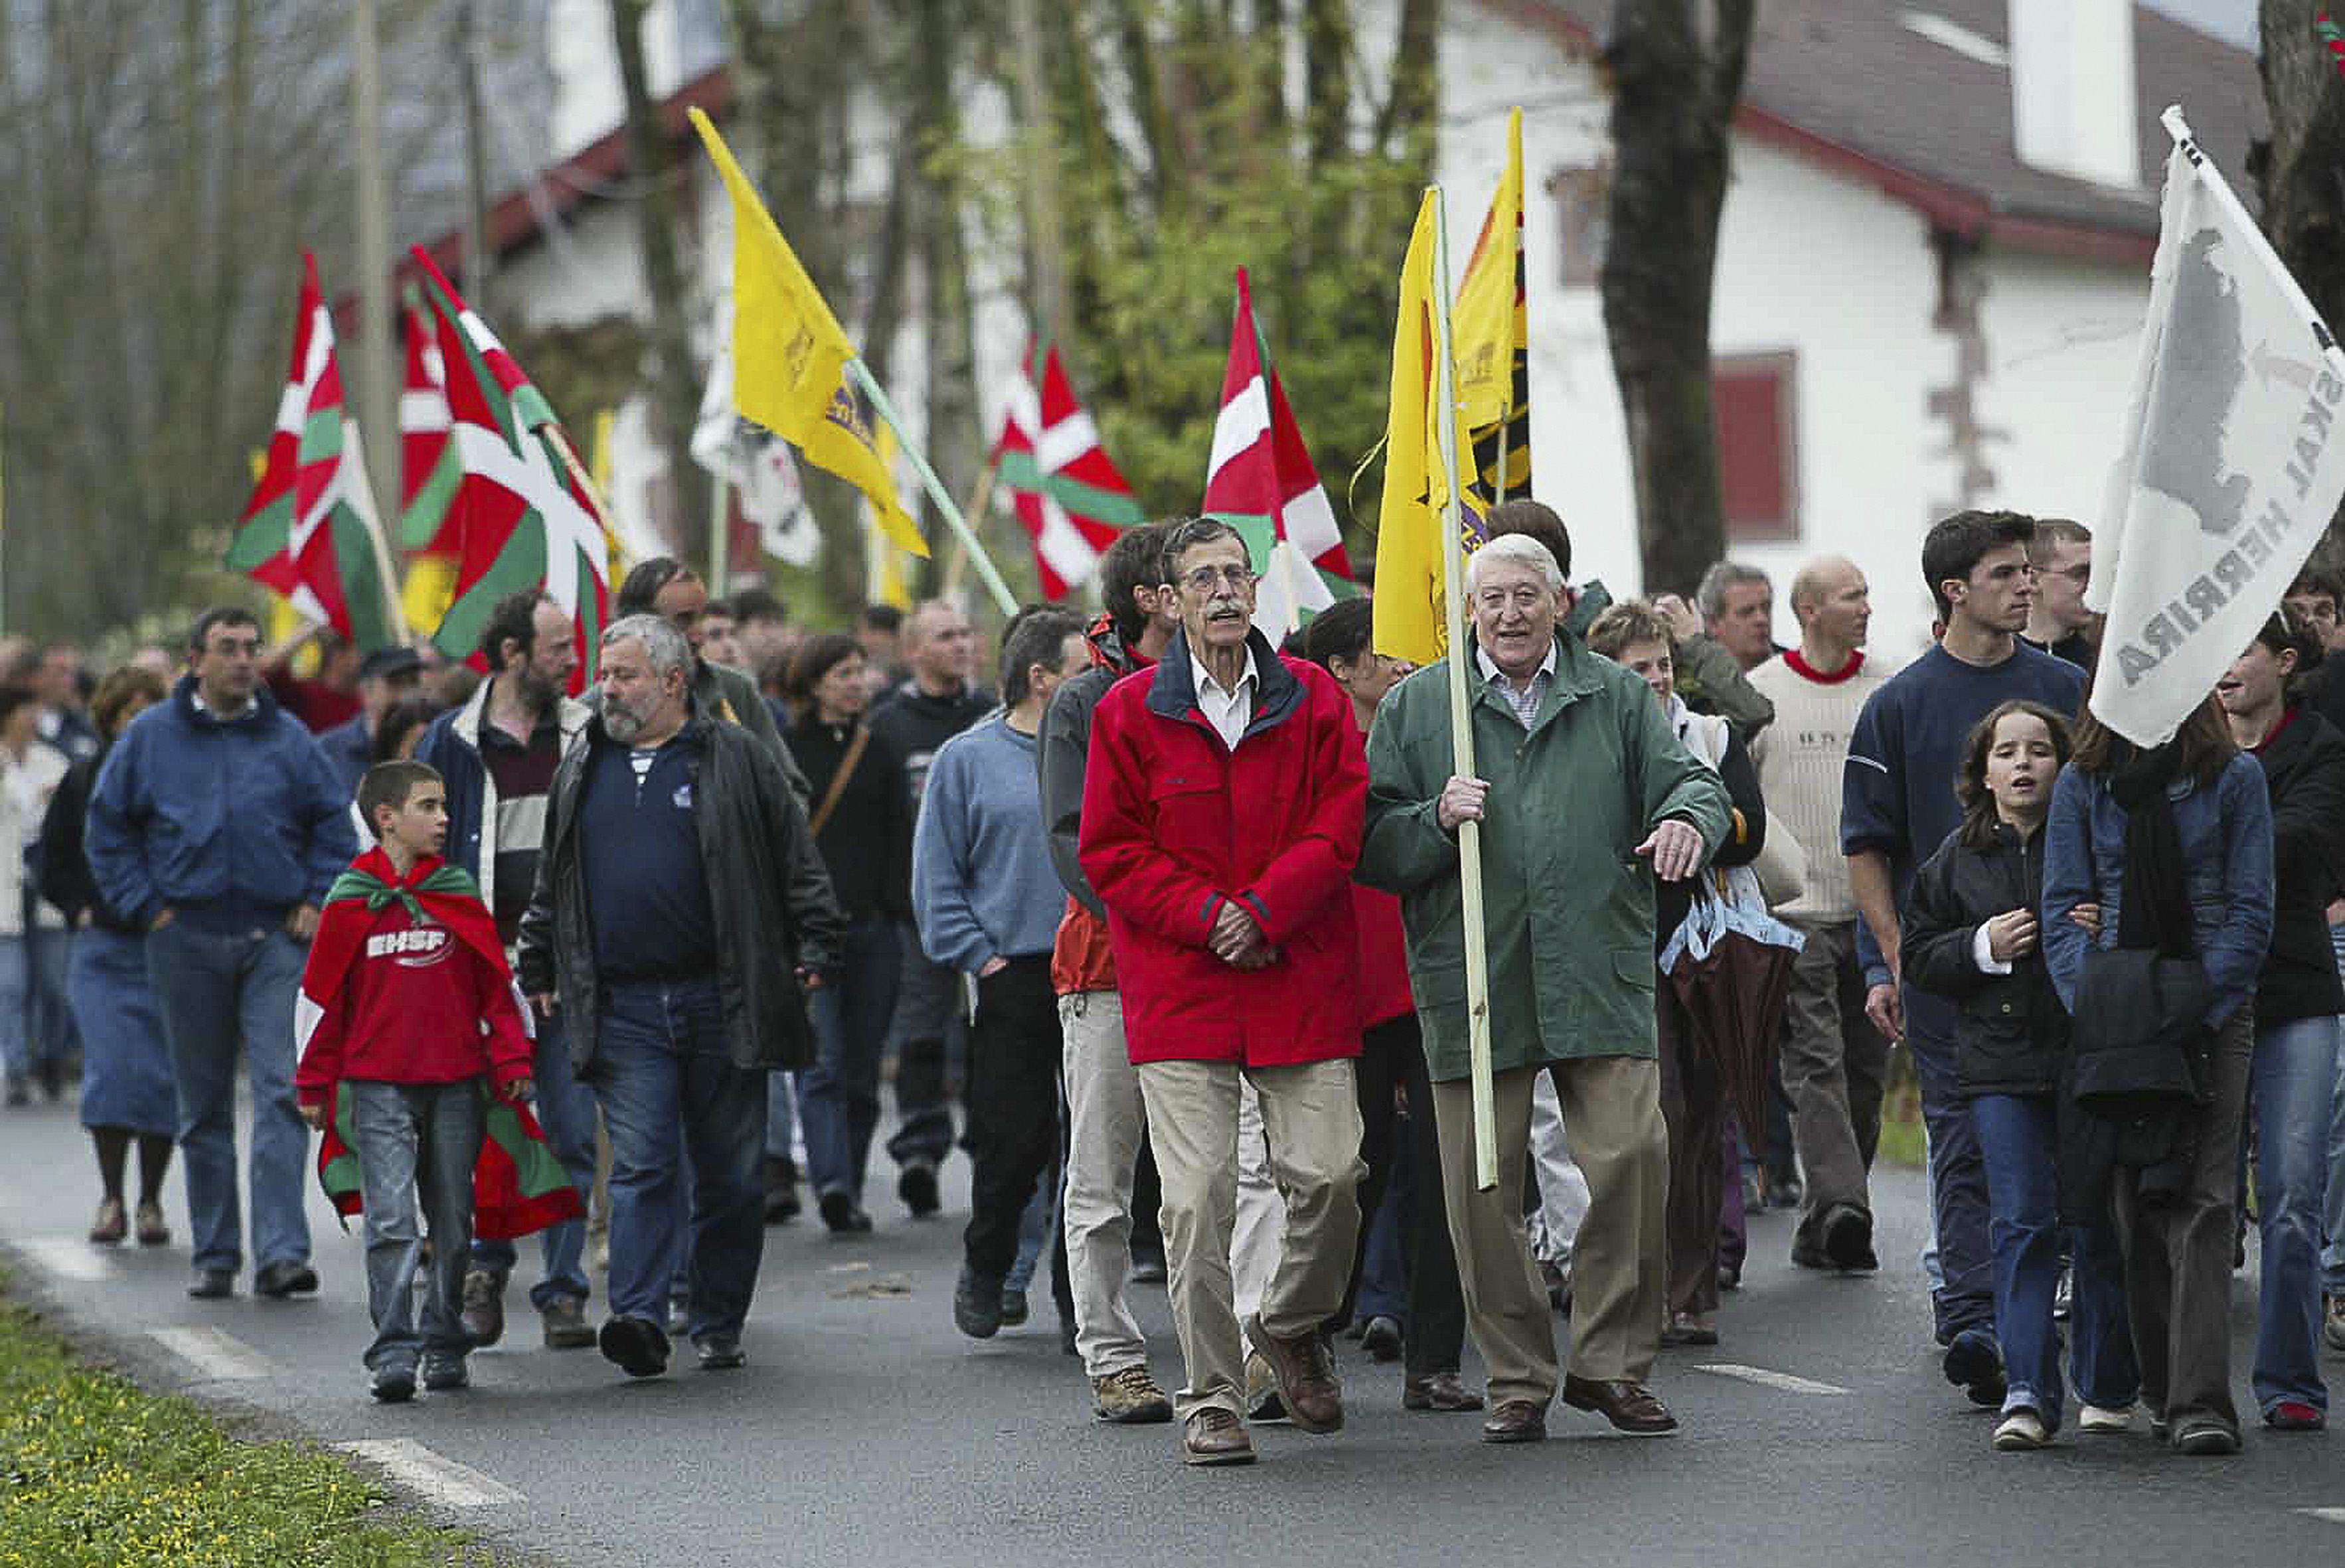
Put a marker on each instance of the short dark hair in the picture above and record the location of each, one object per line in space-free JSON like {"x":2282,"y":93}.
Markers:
{"x":218,"y":615}
{"x":644,"y":585}
{"x":1136,"y":559}
{"x":1036,"y":637}
{"x":399,"y":721}
{"x":390,"y":784}
{"x":1342,"y":630}
{"x":722,"y":609}
{"x":1955,"y":545}
{"x":818,"y":658}
{"x":1537,"y":518}
{"x":2316,"y":579}
{"x":1191,"y":532}
{"x":512,"y":617}
{"x":880,"y":618}
{"x":1970,"y":773}
{"x":757,"y":604}
{"x":14,"y":697}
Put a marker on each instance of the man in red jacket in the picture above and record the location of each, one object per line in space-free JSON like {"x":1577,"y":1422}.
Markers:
{"x":1223,"y":801}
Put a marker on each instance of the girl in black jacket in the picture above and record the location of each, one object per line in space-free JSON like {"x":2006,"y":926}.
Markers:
{"x":1971,"y":936}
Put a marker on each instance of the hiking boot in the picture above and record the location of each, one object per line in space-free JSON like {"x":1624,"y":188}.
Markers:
{"x":977,"y":1304}
{"x":567,"y":1328}
{"x":1262,"y":1400}
{"x":1306,"y":1377}
{"x":1212,"y":1435}
{"x":1130,"y":1397}
{"x":483,"y":1316}
{"x":444,"y":1372}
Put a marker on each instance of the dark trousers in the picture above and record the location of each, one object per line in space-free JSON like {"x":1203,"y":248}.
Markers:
{"x":1015,"y":1051}
{"x":1693,"y":1108}
{"x":1958,"y":1195}
{"x":1392,"y":1055}
{"x":928,"y":1010}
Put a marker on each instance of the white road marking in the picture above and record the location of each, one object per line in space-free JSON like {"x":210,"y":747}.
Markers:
{"x":442,"y":1480}
{"x":69,"y":1259}
{"x":218,"y":1354}
{"x":2327,"y":1515}
{"x":1784,"y":1382}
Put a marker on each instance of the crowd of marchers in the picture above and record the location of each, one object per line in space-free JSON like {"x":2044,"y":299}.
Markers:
{"x":1167,"y":932}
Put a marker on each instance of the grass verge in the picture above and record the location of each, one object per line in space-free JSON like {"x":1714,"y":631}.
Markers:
{"x":96,"y":1471}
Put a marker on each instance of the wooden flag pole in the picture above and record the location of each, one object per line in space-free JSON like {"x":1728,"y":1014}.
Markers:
{"x":957,"y":558}
{"x":720,"y":540}
{"x":1461,"y":720}
{"x":862,"y":378}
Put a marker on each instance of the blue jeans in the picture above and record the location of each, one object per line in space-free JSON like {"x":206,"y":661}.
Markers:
{"x":2332,"y":1219}
{"x":838,"y":1096}
{"x":2016,"y":1135}
{"x":664,"y":1073}
{"x":417,"y":1139}
{"x":2293,"y":1078}
{"x":781,"y":1115}
{"x":1965,"y":1299}
{"x":218,"y":990}
{"x":1034,"y":1227}
{"x":565,"y":1111}
{"x":34,"y":1018}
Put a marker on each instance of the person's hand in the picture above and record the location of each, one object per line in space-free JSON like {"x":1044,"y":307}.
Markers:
{"x":2087,"y":917}
{"x":303,"y":922}
{"x":519,"y":1090}
{"x":2337,"y":912}
{"x":163,"y":918}
{"x":1887,"y":1011}
{"x":314,"y":1113}
{"x":545,"y":1002}
{"x":1461,"y":801}
{"x":1682,"y":621}
{"x":1676,"y":849}
{"x":993,"y":965}
{"x":2011,"y":934}
{"x":810,"y":979}
{"x":1235,"y":938}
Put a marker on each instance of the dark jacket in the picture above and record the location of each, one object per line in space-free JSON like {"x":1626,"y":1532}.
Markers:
{"x":65,"y":879}
{"x":917,"y":724}
{"x":453,"y":746}
{"x":224,"y":822}
{"x":772,"y":898}
{"x":1083,"y":957}
{"x":726,"y":693}
{"x":2304,"y":768}
{"x":866,"y":845}
{"x":2011,"y":1037}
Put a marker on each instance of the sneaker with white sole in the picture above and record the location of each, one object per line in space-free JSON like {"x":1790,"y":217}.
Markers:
{"x":2023,"y":1429}
{"x":2102,"y":1418}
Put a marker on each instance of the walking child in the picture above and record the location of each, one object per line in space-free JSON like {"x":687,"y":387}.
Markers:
{"x":408,"y":1015}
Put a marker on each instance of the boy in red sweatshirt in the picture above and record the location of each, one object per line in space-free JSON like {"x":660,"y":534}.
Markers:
{"x":407,"y":1015}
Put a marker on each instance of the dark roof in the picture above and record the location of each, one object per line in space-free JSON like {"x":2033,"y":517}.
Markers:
{"x":1850,"y":84}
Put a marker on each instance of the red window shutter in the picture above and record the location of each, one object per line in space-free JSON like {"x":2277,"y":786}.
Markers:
{"x":1758,"y":446}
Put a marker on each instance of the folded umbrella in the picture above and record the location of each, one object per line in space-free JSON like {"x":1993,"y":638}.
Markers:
{"x":1730,"y":964}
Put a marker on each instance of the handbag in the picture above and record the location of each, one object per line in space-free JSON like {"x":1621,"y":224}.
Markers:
{"x":830,"y":801}
{"x":1782,"y":865}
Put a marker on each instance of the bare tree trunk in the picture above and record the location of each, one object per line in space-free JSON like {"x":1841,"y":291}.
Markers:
{"x":1672,"y":140}
{"x":675,"y":378}
{"x":1326,"y":79}
{"x":2298,"y":171}
{"x":1416,"y":74}
{"x":947,"y":313}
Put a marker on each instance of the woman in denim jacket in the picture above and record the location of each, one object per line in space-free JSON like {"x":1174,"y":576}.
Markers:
{"x":2177,"y":1255}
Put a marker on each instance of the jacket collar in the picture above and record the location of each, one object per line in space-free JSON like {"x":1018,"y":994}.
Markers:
{"x":696,"y":723}
{"x":569,"y":715}
{"x":1578,"y":673}
{"x":1173,"y":690}
{"x":183,"y":697}
{"x":1110,"y":652}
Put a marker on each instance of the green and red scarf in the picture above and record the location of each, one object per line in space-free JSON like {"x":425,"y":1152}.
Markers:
{"x":518,"y":1186}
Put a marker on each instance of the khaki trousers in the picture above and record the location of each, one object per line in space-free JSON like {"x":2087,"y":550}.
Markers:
{"x":1311,"y":1127}
{"x":1612,"y":1107}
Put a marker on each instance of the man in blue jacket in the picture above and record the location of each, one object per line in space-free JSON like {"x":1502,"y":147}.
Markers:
{"x":219,"y":825}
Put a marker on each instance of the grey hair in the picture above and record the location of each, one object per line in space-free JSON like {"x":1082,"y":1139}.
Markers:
{"x":1711,"y":597}
{"x":1523,"y":550}
{"x":664,"y":648}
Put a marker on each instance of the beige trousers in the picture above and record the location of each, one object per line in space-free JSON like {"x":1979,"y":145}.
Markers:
{"x":1311,"y":1127}
{"x":1612,"y":1107}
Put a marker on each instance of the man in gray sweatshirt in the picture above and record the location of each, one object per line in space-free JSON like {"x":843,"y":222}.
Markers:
{"x":988,"y":904}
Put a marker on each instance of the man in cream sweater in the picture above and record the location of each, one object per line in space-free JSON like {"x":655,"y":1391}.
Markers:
{"x":1834,"y":1061}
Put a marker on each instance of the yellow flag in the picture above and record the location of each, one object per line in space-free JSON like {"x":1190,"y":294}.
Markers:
{"x":430,"y":589}
{"x":790,"y":354}
{"x":1493,"y":346}
{"x":1410,"y":621}
{"x":599,"y":468}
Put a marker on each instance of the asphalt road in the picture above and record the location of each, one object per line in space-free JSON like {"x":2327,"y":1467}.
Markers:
{"x":865,"y":1430}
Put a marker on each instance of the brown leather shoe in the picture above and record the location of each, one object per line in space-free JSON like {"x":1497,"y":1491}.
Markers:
{"x":1212,"y":1435}
{"x":1627,"y":1404}
{"x":1517,"y":1421}
{"x":1438,"y":1391}
{"x":1306,"y":1377}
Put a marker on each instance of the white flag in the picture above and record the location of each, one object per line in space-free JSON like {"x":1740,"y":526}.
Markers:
{"x":2229,"y":473}
{"x":756,"y":463}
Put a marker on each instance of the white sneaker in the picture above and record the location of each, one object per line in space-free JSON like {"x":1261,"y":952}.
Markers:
{"x":2101,"y":1418}
{"x":2022,"y":1429}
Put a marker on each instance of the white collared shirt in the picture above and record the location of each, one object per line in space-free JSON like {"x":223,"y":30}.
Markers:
{"x":1229,"y":712}
{"x":1525,"y":702}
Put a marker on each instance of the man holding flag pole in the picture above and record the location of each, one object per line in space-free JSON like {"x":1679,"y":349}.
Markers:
{"x":1540,"y":958}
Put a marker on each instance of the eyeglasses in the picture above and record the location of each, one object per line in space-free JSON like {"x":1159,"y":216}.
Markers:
{"x":1202,"y":581}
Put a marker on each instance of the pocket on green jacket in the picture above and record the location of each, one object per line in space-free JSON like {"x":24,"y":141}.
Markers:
{"x":1634,"y":966}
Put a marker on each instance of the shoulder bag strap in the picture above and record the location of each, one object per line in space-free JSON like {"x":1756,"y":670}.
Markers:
{"x":830,"y":801}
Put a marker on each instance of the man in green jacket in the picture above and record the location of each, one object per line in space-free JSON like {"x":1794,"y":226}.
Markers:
{"x":1583,"y":797}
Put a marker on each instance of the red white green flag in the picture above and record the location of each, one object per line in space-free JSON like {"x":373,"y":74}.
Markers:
{"x":429,"y":468}
{"x":1058,"y":478}
{"x":1260,"y":479}
{"x":310,"y":530}
{"x":524,"y":515}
